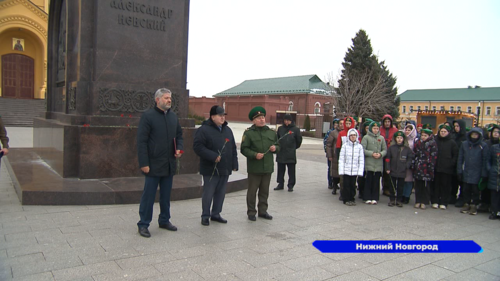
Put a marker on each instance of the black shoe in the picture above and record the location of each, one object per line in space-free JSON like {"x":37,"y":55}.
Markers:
{"x":334,"y":191}
{"x":493,"y":217}
{"x":168,"y":226}
{"x":266,"y":216}
{"x":330,"y":186}
{"x":252,"y":218}
{"x":290,"y":189}
{"x":340,"y":198}
{"x":218,"y":219}
{"x":144,"y":232}
{"x":205,"y":221}
{"x":279,"y":187}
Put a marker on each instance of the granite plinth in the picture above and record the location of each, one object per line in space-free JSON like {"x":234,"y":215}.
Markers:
{"x":97,"y":151}
{"x":36,"y":183}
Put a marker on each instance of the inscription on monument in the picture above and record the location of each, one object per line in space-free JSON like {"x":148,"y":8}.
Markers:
{"x":159,"y":23}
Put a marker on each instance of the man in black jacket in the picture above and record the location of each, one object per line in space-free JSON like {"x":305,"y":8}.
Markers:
{"x":214,"y":144}
{"x":290,"y":139}
{"x":159,"y":143}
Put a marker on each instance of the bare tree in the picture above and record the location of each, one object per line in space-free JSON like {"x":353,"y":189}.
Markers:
{"x":360,"y":94}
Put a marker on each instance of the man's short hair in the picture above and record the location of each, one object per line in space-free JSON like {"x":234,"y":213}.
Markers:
{"x":160,"y":92}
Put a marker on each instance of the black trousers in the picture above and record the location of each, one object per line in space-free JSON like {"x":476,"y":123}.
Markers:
{"x":422,"y":189}
{"x":329,"y":173}
{"x":214,"y":190}
{"x":471,"y":193}
{"x":281,"y":174}
{"x":349,"y":190}
{"x":386,"y":182}
{"x":372,"y":186}
{"x":361,"y":185}
{"x":495,"y":201}
{"x":441,"y":189}
{"x":396,"y":189}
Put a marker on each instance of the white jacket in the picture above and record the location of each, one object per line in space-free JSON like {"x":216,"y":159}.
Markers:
{"x":351,"y":157}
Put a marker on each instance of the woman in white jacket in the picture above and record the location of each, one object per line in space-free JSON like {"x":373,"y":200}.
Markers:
{"x":351,"y":165}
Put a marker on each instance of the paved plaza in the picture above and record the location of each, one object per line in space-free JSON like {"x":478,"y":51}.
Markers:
{"x":102,"y":243}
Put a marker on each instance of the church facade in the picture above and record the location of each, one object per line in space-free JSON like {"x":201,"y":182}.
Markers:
{"x":23,"y":48}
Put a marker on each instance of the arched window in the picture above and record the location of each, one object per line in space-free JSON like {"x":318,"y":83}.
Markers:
{"x":317,"y":108}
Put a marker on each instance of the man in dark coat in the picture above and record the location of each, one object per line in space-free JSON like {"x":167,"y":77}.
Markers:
{"x":214,"y":144}
{"x":459,"y":135}
{"x":159,"y":143}
{"x":290,"y":140}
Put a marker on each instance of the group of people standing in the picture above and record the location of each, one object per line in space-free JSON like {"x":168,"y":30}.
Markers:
{"x":438,"y":167}
{"x":160,"y":143}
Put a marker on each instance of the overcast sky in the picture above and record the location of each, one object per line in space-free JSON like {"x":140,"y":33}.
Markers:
{"x":426,"y":44}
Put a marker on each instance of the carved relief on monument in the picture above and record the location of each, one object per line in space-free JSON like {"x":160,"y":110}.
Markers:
{"x":117,"y":100}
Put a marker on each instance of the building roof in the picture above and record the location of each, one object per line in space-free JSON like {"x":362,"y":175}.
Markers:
{"x":279,"y":86}
{"x":462,"y":94}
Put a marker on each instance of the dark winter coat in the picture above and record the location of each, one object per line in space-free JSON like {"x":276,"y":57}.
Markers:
{"x":494,"y":168}
{"x":209,"y":142}
{"x":447,"y":155}
{"x":460,"y":137}
{"x":398,"y":159}
{"x":288,"y":144}
{"x":259,"y":140}
{"x":425,"y":159}
{"x":473,"y":158}
{"x":158,"y":134}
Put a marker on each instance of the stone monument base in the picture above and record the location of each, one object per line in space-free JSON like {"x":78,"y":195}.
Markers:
{"x":36,"y":183}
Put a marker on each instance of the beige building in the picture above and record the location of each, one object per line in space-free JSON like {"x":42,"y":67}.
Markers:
{"x":23,"y":48}
{"x":483,"y":102}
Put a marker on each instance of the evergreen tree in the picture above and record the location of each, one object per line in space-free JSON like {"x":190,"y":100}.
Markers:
{"x":307,"y":123}
{"x":366,"y":87}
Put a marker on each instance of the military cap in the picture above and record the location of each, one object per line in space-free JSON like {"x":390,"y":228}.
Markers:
{"x":427,"y":126}
{"x":443,"y":126}
{"x":427,"y":131}
{"x":256,"y":112}
{"x":373,"y":124}
{"x":399,"y":134}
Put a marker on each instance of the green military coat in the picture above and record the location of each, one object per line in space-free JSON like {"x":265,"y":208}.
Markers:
{"x":258,"y":140}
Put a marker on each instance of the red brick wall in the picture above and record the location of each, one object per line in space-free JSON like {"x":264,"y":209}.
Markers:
{"x":201,"y":106}
{"x":238,"y":107}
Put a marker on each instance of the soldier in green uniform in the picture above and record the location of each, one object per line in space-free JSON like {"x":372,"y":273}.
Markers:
{"x":258,"y":145}
{"x":3,"y":138}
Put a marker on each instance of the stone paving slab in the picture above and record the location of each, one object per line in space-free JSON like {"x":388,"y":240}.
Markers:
{"x":101,"y":242}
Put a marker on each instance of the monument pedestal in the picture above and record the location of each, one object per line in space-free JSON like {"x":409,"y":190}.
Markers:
{"x":36,"y":183}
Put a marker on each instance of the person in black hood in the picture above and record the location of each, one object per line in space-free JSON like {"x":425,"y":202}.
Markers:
{"x":445,"y":168}
{"x":472,"y":168}
{"x":459,"y":135}
{"x":290,"y":139}
{"x":215,"y":145}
